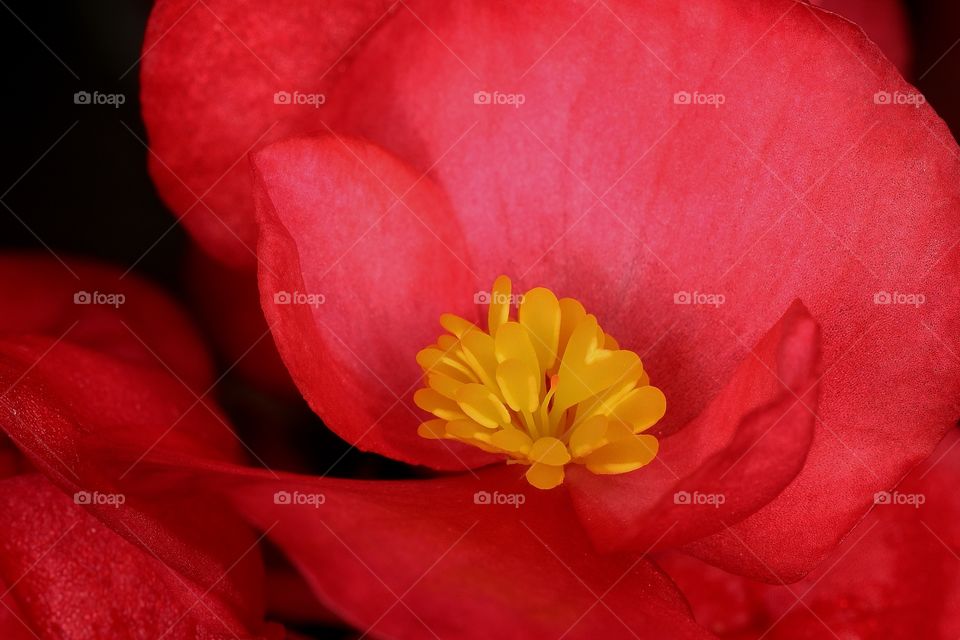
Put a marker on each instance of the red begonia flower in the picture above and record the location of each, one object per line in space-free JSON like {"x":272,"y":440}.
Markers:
{"x":625,"y":154}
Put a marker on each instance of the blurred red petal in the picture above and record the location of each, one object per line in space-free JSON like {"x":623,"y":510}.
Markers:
{"x":202,"y":122}
{"x":72,"y":577}
{"x":93,"y":442}
{"x":291,"y":599}
{"x":358,"y":259}
{"x":87,"y":410}
{"x":100,"y":307}
{"x":898,"y":573}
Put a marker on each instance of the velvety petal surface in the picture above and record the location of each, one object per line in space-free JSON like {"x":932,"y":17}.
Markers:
{"x":359,"y":257}
{"x":688,"y":194}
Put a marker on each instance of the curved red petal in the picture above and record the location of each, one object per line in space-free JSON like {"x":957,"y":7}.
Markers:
{"x":656,"y":173}
{"x":359,"y":257}
{"x":202,"y":122}
{"x":734,"y":458}
{"x":896,"y":576}
{"x":461,"y":556}
{"x":72,"y":577}
{"x":103,"y":308}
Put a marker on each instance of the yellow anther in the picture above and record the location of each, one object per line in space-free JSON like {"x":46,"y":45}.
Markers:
{"x":547,"y":389}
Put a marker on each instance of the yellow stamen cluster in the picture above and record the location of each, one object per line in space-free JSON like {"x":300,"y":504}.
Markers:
{"x":547,"y":389}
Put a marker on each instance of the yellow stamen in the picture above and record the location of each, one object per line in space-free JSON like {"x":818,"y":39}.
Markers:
{"x":547,"y":389}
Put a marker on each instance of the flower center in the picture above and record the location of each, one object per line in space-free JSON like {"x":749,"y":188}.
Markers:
{"x":546,"y":390}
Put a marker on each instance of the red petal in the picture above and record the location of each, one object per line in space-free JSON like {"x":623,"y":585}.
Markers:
{"x":72,"y":577}
{"x":898,"y":573}
{"x":13,"y":624}
{"x":209,"y":74}
{"x":380,"y":272}
{"x":424,"y":558}
{"x":733,"y":459}
{"x":96,"y":441}
{"x":102,"y":308}
{"x":290,"y":598}
{"x":896,"y":576}
{"x":86,"y":407}
{"x":747,"y":200}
